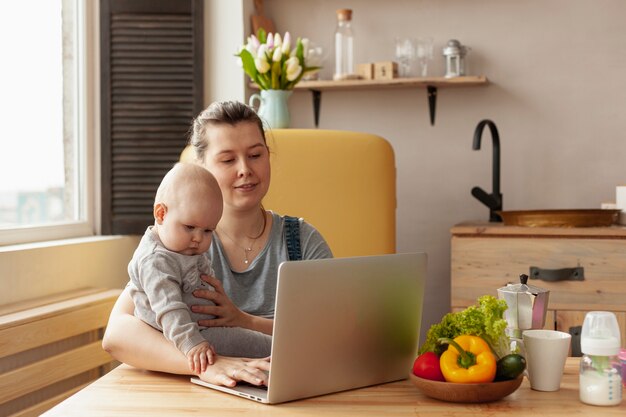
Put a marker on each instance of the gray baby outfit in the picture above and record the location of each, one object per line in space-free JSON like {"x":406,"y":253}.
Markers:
{"x":157,"y":276}
{"x":161,"y":285}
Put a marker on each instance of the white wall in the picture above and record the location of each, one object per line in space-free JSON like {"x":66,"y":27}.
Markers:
{"x":557,"y":93}
{"x":225,"y":25}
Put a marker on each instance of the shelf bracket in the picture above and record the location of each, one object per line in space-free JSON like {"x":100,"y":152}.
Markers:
{"x":432,"y":102}
{"x":317,"y":102}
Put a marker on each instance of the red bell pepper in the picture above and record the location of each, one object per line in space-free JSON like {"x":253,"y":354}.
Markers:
{"x":427,"y":366}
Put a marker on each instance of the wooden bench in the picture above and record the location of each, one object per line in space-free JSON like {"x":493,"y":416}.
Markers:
{"x":51,"y":348}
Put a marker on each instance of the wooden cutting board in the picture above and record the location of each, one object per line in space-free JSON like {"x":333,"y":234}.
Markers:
{"x":259,"y":20}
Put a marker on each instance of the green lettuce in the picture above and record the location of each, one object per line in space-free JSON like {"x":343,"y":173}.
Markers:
{"x":484,"y":319}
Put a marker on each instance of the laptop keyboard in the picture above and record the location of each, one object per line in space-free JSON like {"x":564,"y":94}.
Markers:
{"x":247,"y":384}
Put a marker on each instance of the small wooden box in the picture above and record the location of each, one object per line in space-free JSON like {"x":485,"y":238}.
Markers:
{"x":365,"y":71}
{"x":385,"y":70}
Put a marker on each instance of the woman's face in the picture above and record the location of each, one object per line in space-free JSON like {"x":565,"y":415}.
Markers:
{"x":239,"y":159}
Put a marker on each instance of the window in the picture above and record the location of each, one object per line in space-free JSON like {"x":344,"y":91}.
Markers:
{"x":44,"y":153}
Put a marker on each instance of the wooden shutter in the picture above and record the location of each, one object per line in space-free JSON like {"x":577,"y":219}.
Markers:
{"x":151,"y":79}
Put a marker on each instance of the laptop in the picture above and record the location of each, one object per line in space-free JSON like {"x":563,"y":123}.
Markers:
{"x":341,"y":324}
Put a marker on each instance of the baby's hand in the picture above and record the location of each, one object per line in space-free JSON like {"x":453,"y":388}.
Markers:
{"x":199,"y":356}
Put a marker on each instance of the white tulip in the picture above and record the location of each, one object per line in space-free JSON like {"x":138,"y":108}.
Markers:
{"x":262,"y":52}
{"x":293,"y":68}
{"x":286,"y":43}
{"x":305,"y":47}
{"x":261,"y":65}
{"x":250,"y":47}
{"x":278,"y":54}
{"x":278,"y":41}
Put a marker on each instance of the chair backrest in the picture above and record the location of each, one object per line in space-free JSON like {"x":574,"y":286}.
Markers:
{"x":343,"y":183}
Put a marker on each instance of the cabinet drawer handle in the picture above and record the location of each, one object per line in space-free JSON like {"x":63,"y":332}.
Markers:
{"x":553,"y":275}
{"x":575,"y":331}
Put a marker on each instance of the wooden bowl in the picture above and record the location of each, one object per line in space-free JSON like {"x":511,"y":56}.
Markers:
{"x":466,"y":393}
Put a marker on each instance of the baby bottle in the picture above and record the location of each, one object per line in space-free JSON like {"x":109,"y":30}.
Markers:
{"x":600,"y":376}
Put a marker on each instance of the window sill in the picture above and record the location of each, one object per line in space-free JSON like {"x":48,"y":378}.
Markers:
{"x":41,"y":269}
{"x":58,"y":243}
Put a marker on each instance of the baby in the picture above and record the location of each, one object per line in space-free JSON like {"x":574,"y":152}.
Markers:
{"x":167,"y":264}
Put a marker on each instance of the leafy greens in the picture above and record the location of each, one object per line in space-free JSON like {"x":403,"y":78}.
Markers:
{"x":484,"y":319}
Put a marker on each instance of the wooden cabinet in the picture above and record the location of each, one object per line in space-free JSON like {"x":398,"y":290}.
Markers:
{"x":486,"y":256}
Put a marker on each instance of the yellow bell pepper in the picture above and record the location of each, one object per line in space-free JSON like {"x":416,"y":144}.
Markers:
{"x":469,"y":359}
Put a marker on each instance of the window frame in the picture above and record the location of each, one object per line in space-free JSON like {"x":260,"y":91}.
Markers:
{"x":86,"y":105}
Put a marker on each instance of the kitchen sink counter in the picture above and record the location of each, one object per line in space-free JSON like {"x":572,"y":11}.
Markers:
{"x":590,"y":263}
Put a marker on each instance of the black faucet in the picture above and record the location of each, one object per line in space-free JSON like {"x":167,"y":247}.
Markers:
{"x":493,"y":200}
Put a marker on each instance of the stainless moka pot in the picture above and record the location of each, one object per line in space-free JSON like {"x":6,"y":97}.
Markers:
{"x":527,"y":306}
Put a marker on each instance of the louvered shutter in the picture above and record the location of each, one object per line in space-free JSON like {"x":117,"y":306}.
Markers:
{"x":151,"y":78}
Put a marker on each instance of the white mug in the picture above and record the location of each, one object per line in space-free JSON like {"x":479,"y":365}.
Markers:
{"x":546,"y":352}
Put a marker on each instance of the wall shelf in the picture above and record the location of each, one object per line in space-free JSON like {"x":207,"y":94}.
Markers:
{"x":420,"y":82}
{"x":431,"y":84}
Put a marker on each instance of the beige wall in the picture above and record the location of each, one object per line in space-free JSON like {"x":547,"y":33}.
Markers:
{"x":557,"y":94}
{"x":224,"y":29}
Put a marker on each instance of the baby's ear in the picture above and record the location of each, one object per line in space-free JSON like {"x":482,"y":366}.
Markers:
{"x":159,"y":212}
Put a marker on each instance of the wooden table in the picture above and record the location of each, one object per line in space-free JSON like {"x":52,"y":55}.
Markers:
{"x":127,"y":391}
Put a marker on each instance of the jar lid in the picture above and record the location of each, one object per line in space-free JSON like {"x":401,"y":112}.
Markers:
{"x":344,"y":14}
{"x":454,"y":48}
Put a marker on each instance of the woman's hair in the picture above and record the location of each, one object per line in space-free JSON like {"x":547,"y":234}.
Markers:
{"x":220,"y":113}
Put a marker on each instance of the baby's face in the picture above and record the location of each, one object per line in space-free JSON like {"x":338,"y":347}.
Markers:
{"x":187,"y":227}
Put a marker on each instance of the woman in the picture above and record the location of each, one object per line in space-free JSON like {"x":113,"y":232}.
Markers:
{"x":248,"y":246}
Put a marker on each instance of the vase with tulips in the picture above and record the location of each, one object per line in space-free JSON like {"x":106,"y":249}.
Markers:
{"x":275,"y":67}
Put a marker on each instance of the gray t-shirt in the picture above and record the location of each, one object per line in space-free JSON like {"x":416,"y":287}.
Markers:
{"x":254,"y":290}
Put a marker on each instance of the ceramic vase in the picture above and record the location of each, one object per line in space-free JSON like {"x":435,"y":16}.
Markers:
{"x":273,"y":108}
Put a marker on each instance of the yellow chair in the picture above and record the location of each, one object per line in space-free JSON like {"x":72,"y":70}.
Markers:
{"x":343,"y":183}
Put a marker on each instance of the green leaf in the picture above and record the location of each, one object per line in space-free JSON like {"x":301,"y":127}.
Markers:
{"x":263,"y":81}
{"x":300,"y":52}
{"x":248,"y":63}
{"x":283,"y":73}
{"x":261,"y":35}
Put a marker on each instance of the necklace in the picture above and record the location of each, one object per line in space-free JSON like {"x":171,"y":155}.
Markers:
{"x":246,"y":249}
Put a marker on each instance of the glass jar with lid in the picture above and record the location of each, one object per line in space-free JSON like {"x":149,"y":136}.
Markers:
{"x":344,"y":46}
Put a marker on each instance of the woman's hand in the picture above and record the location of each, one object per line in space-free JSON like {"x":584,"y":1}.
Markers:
{"x":226,"y":312}
{"x":228,"y":371}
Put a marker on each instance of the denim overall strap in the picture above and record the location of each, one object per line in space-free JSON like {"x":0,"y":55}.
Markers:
{"x":292,"y":237}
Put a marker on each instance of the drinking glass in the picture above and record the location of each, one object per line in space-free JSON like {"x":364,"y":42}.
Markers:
{"x":424,"y":52}
{"x":315,"y":57}
{"x":405,"y":55}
